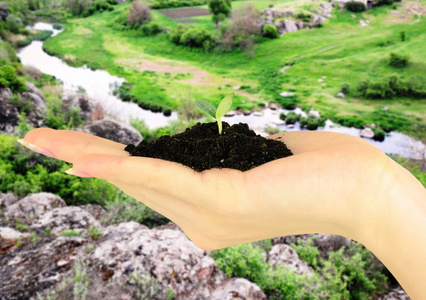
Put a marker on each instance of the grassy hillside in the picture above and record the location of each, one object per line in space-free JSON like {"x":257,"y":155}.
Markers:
{"x":340,"y":52}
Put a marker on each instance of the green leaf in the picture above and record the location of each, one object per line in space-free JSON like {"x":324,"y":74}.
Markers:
{"x":206,"y":107}
{"x":224,"y":106}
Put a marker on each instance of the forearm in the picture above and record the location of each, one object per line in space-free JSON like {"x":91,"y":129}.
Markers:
{"x":398,"y":236}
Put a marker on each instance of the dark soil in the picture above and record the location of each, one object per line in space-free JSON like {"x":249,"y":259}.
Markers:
{"x":201,"y":148}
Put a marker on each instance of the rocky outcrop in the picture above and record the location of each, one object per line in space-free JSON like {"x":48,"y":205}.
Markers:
{"x":36,"y":99}
{"x":282,"y":254}
{"x":113,"y":130}
{"x":4,"y":12}
{"x":84,"y":103}
{"x":8,"y":112}
{"x":120,"y":260}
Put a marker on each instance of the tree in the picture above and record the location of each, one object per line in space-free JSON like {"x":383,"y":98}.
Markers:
{"x":139,"y":14}
{"x":220,"y":10}
{"x":78,"y":7}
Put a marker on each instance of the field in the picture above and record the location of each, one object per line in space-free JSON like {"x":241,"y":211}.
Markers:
{"x":340,"y":52}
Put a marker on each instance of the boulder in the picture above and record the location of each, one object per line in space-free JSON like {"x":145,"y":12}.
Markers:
{"x":32,"y":206}
{"x":66,"y":218}
{"x":83,"y":102}
{"x":8,"y":112}
{"x":7,"y":199}
{"x":287,"y":94}
{"x":290,"y":26}
{"x":36,"y":116}
{"x":330,"y":242}
{"x":33,"y":89}
{"x":367,"y":133}
{"x":285,"y":255}
{"x":316,"y":19}
{"x":237,"y":288}
{"x":396,"y":294}
{"x":340,"y":95}
{"x":314,"y":113}
{"x":113,"y":130}
{"x":327,"y":9}
{"x":9,"y":233}
{"x":4,"y":12}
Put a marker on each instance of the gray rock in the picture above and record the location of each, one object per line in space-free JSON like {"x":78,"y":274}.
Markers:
{"x":7,"y":199}
{"x":330,"y":242}
{"x":95,"y":210}
{"x":33,"y":89}
{"x":290,"y":26}
{"x":327,"y":9}
{"x":237,"y":288}
{"x":9,"y":233}
{"x":4,"y":12}
{"x":32,"y":206}
{"x":83,"y":102}
{"x":396,"y":294}
{"x":313,"y":112}
{"x":367,"y":133}
{"x":66,"y":218}
{"x":36,"y":116}
{"x":287,"y":94}
{"x":113,"y":130}
{"x":285,"y":255}
{"x":8,"y":112}
{"x":316,"y":19}
{"x":340,"y":95}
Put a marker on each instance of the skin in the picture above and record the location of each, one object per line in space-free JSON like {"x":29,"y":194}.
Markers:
{"x":334,"y":183}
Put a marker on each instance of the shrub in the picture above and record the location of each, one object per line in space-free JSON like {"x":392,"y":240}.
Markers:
{"x":13,"y":24}
{"x":9,"y":79}
{"x":398,"y":61}
{"x":195,"y":37}
{"x":270,"y":31}
{"x":220,"y":9}
{"x":176,"y":33}
{"x":242,"y":30}
{"x":139,"y":14}
{"x":291,"y":118}
{"x":355,"y":6}
{"x":312,"y":123}
{"x":379,"y":135}
{"x":304,"y":17}
{"x":379,"y":90}
{"x":345,"y":88}
{"x":150,"y":29}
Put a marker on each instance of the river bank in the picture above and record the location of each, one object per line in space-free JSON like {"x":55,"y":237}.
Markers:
{"x":100,"y":84}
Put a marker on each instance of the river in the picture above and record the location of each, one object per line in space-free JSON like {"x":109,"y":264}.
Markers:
{"x":99,"y":85}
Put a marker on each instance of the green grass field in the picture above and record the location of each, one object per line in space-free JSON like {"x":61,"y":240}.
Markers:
{"x":341,"y":50}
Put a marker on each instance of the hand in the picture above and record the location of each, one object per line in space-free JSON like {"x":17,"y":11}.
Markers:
{"x":319,"y":189}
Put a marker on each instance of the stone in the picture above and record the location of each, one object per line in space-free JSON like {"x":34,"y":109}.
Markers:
{"x":236,"y":88}
{"x":285,"y":255}
{"x":74,"y":100}
{"x":316,"y":19}
{"x":287,"y":94}
{"x":33,"y":89}
{"x":273,"y":106}
{"x":367,"y":133}
{"x":330,"y":242}
{"x":7,"y":199}
{"x":396,"y":294}
{"x":4,"y":12}
{"x":314,"y":113}
{"x":290,"y":26}
{"x":327,"y":9}
{"x":66,"y":218}
{"x":340,"y":95}
{"x":238,"y":288}
{"x":258,"y":114}
{"x":363,"y":22}
{"x":32,"y":206}
{"x":95,"y":210}
{"x":247,"y":113}
{"x":9,"y":233}
{"x":320,"y":80}
{"x":113,"y":130}
{"x":36,"y":116}
{"x":8,"y":112}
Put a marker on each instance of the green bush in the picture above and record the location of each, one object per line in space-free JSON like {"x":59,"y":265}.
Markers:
{"x":345,"y":88}
{"x":379,"y":90}
{"x":379,"y":135}
{"x":13,"y":24}
{"x":304,"y":17}
{"x":150,"y":29}
{"x":270,"y":31}
{"x":398,"y":60}
{"x":195,"y":37}
{"x":355,"y":6}
{"x":307,"y":251}
{"x":9,"y":79}
{"x":161,"y":4}
{"x":291,"y":118}
{"x":312,"y":123}
{"x":176,"y":33}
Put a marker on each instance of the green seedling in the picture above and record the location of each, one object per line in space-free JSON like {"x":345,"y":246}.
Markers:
{"x":223,"y":108}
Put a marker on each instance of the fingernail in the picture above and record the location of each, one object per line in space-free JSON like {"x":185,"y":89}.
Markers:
{"x":76,"y":173}
{"x":37,"y":149}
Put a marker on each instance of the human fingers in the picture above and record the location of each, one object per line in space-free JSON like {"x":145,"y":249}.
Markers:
{"x":163,"y":176}
{"x":68,"y":145}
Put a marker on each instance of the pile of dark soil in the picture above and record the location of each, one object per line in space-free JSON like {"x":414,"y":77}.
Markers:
{"x":201,"y":148}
